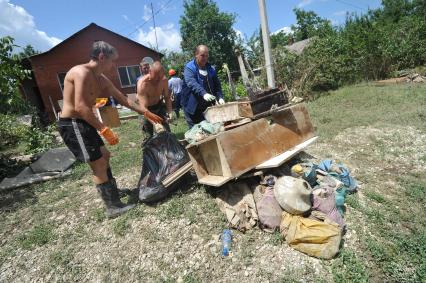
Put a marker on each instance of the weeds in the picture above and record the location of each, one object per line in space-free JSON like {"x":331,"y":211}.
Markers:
{"x":38,"y":236}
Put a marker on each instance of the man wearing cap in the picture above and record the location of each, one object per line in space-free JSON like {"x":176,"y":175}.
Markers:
{"x":151,"y":89}
{"x":201,"y":87}
{"x":175,"y":87}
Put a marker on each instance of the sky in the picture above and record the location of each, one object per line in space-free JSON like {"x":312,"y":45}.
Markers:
{"x":45,"y":23}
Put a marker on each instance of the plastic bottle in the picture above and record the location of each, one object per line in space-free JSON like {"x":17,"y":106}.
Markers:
{"x":226,"y":242}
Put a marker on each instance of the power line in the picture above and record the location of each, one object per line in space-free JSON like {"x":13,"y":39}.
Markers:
{"x":150,"y":18}
{"x":138,"y":22}
{"x":155,"y":29}
{"x":350,"y":4}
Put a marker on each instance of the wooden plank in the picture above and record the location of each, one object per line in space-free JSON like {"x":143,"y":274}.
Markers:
{"x":215,"y":181}
{"x":210,"y":152}
{"x":271,"y":111}
{"x":177,"y":174}
{"x":286,"y":155}
{"x":222,"y":113}
{"x":237,"y":124}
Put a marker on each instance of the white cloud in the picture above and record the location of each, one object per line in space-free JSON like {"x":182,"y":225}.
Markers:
{"x":239,"y":34}
{"x":146,"y":12}
{"x":285,"y":30}
{"x":340,"y":13}
{"x":167,"y":35}
{"x":304,"y":3}
{"x":19,"y":24}
{"x":125,"y":17}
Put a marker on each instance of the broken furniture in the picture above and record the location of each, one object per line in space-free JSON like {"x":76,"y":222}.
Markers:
{"x":228,"y":155}
{"x":258,"y":105}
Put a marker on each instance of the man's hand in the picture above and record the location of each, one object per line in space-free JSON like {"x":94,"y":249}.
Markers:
{"x":154,"y":119}
{"x":109,"y":136}
{"x":221,"y":101}
{"x":209,"y":97}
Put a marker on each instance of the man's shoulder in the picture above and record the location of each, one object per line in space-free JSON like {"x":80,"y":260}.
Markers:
{"x":190,"y":64}
{"x":78,"y":71}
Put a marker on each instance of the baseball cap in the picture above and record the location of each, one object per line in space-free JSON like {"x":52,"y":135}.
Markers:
{"x":147,"y":60}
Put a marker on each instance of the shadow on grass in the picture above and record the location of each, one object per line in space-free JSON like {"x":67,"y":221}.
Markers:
{"x":12,"y":200}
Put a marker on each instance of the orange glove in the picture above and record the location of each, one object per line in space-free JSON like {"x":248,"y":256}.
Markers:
{"x":101,"y":102}
{"x":109,"y":135}
{"x":154,"y":119}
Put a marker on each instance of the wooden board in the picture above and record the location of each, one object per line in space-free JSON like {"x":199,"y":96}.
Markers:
{"x":286,"y":155}
{"x":222,"y":113}
{"x":177,"y":174}
{"x":110,"y":116}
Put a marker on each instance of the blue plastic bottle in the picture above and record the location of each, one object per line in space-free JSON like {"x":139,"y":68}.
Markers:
{"x":226,"y":242}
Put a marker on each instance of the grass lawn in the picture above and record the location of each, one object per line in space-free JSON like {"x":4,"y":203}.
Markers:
{"x":57,"y":231}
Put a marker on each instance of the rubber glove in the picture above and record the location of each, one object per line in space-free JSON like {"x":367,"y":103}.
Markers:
{"x":109,"y":136}
{"x":154,"y":119}
{"x":221,"y":101}
{"x":100,"y":102}
{"x":170,"y":117}
{"x":209,"y":97}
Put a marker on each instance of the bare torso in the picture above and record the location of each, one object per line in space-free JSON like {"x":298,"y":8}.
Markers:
{"x":151,"y":91}
{"x":92,"y":88}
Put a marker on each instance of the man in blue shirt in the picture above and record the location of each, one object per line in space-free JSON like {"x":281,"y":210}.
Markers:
{"x":175,"y":87}
{"x":201,"y":87}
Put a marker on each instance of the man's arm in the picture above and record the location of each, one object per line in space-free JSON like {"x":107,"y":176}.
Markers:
{"x":142,"y":90}
{"x":192,"y":83}
{"x":82,"y":102}
{"x":121,"y":98}
{"x":167,"y":96}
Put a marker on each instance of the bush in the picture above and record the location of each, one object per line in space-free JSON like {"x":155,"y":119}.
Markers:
{"x":11,"y":131}
{"x":239,"y":88}
{"x":39,"y":140}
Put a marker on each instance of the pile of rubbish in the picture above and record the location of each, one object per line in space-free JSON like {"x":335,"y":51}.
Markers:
{"x":304,"y":202}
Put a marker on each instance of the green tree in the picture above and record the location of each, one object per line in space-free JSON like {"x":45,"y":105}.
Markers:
{"x":280,"y":38}
{"x":309,"y":24}
{"x":203,"y":23}
{"x":175,"y":60}
{"x":27,"y":51}
{"x":11,"y":74}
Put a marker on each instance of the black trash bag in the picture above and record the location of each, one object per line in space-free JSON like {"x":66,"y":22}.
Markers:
{"x":162,"y":155}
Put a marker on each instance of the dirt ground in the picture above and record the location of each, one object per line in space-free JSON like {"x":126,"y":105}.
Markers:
{"x":59,"y":233}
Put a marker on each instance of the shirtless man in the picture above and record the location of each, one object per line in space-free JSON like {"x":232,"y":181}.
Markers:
{"x":151,"y":88}
{"x":79,"y":127}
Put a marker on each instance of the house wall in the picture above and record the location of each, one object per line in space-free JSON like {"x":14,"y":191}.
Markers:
{"x":76,"y":51}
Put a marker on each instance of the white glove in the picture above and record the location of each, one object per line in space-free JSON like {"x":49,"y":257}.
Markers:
{"x":209,"y":97}
{"x":221,"y":101}
{"x":170,"y":117}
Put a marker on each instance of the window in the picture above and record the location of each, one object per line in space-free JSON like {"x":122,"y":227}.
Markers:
{"x":61,"y":78}
{"x":128,"y":75}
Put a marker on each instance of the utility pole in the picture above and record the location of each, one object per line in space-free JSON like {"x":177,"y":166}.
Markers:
{"x":266,"y":44}
{"x":155,"y":29}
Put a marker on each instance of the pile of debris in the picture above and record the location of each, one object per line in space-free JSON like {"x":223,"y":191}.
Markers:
{"x":405,"y":78}
{"x":304,"y":201}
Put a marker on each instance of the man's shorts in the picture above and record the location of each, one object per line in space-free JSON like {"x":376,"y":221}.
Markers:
{"x":81,"y":138}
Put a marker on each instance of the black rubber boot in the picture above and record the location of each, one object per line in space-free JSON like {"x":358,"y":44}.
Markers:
{"x":113,"y":204}
{"x":121,"y":192}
